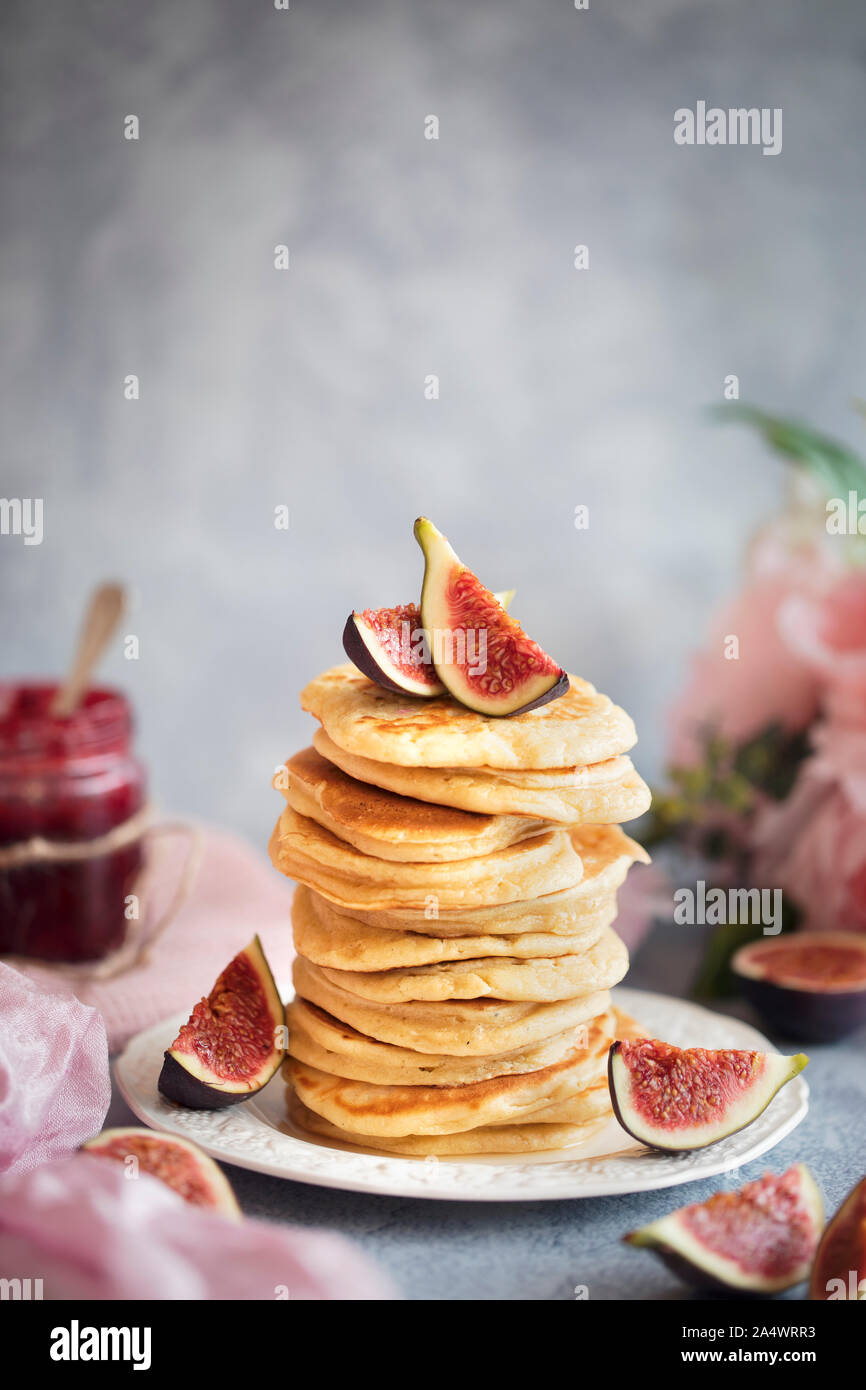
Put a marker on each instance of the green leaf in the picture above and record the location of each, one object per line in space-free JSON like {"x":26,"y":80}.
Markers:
{"x":771,"y":760}
{"x":838,"y":468}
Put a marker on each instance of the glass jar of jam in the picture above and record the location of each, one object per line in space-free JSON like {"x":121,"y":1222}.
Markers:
{"x":72,"y":795}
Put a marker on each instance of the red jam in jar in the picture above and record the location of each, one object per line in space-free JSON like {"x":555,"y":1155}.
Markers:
{"x":65,"y":785}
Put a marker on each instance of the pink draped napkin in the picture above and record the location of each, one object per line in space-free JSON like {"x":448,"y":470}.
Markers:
{"x":54,"y":1082}
{"x":236,"y":893}
{"x":85,"y":1227}
{"x":89,"y":1232}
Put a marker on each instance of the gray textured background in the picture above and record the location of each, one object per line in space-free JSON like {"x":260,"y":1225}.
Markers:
{"x":408,"y":257}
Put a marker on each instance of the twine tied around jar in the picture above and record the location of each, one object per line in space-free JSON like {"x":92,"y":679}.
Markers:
{"x":137,"y":942}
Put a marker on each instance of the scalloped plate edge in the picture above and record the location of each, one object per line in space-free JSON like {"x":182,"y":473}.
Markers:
{"x":252,"y":1136}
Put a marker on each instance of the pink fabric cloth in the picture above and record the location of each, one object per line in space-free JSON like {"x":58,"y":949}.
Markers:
{"x":236,"y":894}
{"x":89,"y":1232}
{"x":54,"y":1082}
{"x":81,"y":1225}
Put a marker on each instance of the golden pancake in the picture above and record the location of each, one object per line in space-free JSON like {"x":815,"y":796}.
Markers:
{"x":580,"y":727}
{"x":461,"y":1027}
{"x":363,"y":1107}
{"x":389,"y":826}
{"x":324,"y":1042}
{"x":602,"y":793}
{"x":606,"y":854}
{"x":489,"y":1139}
{"x":627,"y":1028}
{"x":588,"y":1104}
{"x":539,"y":980}
{"x":328,"y":937}
{"x":304,"y":850}
{"x":565,"y":913}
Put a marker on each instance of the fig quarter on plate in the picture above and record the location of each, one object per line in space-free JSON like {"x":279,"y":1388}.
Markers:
{"x":233,"y":1041}
{"x":678,"y":1099}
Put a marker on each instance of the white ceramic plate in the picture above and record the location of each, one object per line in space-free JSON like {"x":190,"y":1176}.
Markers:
{"x":257,"y":1134}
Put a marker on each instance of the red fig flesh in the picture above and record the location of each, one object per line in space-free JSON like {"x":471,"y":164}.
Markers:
{"x":233,"y":1042}
{"x":481,"y":654}
{"x":759,"y":1239}
{"x":390,"y":647}
{"x":808,"y":984}
{"x":675,"y":1098}
{"x":178,"y":1163}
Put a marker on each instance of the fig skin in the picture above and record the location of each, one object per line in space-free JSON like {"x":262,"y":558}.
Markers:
{"x":560,"y":688}
{"x":853,"y":1213}
{"x":820,"y":1012}
{"x":179,"y":1085}
{"x":185,"y":1080}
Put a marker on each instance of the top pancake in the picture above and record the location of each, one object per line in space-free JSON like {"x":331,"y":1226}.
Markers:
{"x":580,"y":727}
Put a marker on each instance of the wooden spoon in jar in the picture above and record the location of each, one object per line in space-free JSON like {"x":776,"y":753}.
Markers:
{"x":106,"y":608}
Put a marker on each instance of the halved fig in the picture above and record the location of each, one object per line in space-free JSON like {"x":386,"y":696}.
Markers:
{"x":481,"y":655}
{"x":839,"y":1271}
{"x":390,"y":647}
{"x":180,"y":1164}
{"x":757,"y":1240}
{"x":233,"y":1042}
{"x":808,"y":985}
{"x":675,"y":1098}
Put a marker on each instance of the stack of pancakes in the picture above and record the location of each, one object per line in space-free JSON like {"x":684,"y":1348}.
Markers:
{"x":458,"y":878}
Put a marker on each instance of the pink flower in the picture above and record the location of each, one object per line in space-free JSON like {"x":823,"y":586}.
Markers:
{"x":766,"y":683}
{"x":827,"y":631}
{"x":813,"y":845}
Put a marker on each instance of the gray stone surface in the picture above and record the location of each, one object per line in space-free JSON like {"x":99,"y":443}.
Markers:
{"x":409,"y":257}
{"x":542,"y":1250}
